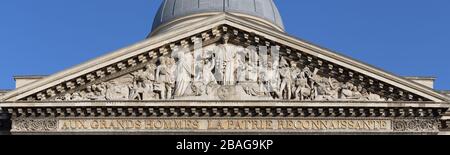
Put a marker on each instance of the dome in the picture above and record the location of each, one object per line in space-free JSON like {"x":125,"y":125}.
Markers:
{"x":175,"y":13}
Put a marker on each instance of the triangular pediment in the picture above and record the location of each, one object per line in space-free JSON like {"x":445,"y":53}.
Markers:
{"x":348,"y":79}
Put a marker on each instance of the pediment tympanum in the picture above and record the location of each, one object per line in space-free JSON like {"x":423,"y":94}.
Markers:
{"x":231,"y":62}
{"x":226,"y":71}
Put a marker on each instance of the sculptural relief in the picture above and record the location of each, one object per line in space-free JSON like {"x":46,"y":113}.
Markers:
{"x":117,"y":91}
{"x":225,"y":72}
{"x":143,"y":84}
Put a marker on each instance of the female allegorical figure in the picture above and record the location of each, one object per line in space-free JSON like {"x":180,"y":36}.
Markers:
{"x":226,"y":55}
{"x":184,"y":71}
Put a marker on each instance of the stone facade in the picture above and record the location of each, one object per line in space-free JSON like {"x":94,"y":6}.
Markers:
{"x":225,"y":74}
{"x":151,"y":95}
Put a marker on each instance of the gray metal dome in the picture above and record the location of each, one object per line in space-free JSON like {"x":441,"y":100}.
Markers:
{"x":263,"y":11}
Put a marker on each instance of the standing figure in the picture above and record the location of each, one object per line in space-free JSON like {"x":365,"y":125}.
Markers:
{"x":286,"y":79}
{"x":137,"y":88}
{"x":229,"y":61}
{"x":149,"y":82}
{"x":252,"y":66}
{"x":184,"y":71}
{"x":219,"y":57}
{"x":303,"y":90}
{"x":241,"y":67}
{"x":171,"y":64}
{"x":250,"y":85}
{"x":315,"y":83}
{"x":272,"y":78}
{"x":226,"y":64}
{"x":295,"y":74}
{"x":207,"y":71}
{"x":163,"y":78}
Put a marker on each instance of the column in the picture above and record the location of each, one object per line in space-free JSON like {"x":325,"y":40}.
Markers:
{"x":5,"y":123}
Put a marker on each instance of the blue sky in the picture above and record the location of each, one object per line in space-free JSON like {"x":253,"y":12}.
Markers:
{"x":405,"y":37}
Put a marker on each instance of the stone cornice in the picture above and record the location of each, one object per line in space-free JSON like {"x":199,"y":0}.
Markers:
{"x":30,"y":76}
{"x":214,"y":103}
{"x":224,"y":108}
{"x":419,"y":77}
